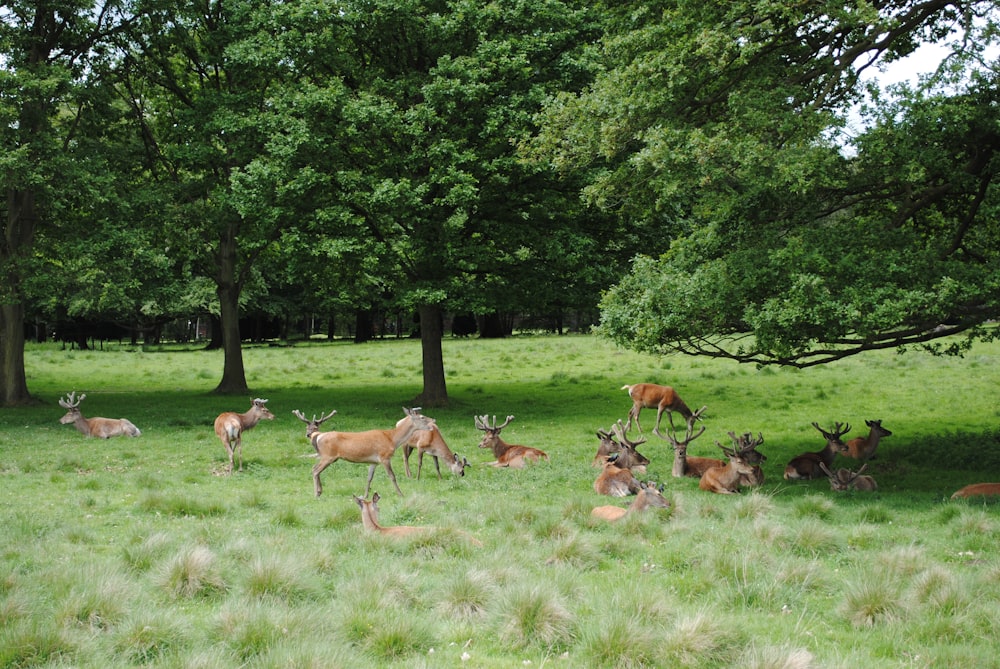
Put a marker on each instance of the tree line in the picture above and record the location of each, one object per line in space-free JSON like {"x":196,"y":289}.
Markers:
{"x":683,"y":165}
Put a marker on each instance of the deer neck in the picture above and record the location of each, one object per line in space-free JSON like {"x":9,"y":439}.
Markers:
{"x":680,"y":462}
{"x":499,"y":446}
{"x":369,"y":518}
{"x":402,"y":432}
{"x":82,"y":424}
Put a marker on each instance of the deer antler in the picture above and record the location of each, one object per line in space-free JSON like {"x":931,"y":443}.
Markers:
{"x":315,"y":421}
{"x":481,"y":423}
{"x":619,"y":430}
{"x":70,"y":402}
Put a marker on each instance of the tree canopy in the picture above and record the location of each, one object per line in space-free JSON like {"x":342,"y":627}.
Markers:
{"x":793,"y":242}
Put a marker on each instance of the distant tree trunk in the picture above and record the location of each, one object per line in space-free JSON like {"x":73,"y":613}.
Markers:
{"x":234,"y":380}
{"x":19,"y":234}
{"x":364,"y":326}
{"x":492,"y":327}
{"x":435,"y":392}
{"x":214,"y":333}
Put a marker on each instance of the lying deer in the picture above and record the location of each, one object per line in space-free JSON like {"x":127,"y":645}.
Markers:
{"x":371,"y":447}
{"x":649,"y":496}
{"x":369,"y":518}
{"x":684,"y":465}
{"x":103,"y":428}
{"x":727,"y":480}
{"x":432,"y":443}
{"x":652,"y":396}
{"x":844,"y":479}
{"x":616,"y":481}
{"x":507,"y":455}
{"x":863,"y":448}
{"x":230,"y":426}
{"x":807,"y":465}
{"x":627,"y":457}
{"x":977,"y":490}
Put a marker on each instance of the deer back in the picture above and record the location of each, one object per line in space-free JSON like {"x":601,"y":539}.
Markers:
{"x":807,"y":466}
{"x":977,"y":490}
{"x":616,"y":481}
{"x":726,"y":479}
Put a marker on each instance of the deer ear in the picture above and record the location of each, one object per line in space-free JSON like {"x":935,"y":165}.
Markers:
{"x":360,"y":502}
{"x":376,"y":497}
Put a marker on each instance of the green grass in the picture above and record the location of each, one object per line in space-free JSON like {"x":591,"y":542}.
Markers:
{"x":137,"y":552}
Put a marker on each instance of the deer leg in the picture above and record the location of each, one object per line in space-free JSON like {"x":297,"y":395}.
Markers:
{"x":437,"y":466}
{"x":659,"y":416}
{"x":317,"y":470}
{"x":371,"y":475}
{"x":392,"y":475}
{"x":239,"y":451}
{"x":406,"y":461}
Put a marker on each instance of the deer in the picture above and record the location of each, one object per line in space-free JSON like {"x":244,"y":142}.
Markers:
{"x":369,"y":519}
{"x":652,"y":396}
{"x":977,"y":490}
{"x":727,"y":479}
{"x":507,"y":455}
{"x":372,"y":447}
{"x":863,"y":448}
{"x":684,"y":465}
{"x":607,"y":447}
{"x":103,"y":428}
{"x":616,"y":481}
{"x":844,"y":479}
{"x":650,"y":496}
{"x":230,"y":426}
{"x":627,"y":457}
{"x":432,"y":443}
{"x":806,"y":466}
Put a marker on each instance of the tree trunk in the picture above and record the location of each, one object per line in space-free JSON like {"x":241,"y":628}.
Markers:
{"x":364,"y":328}
{"x":234,"y":380}
{"x":435,"y":392}
{"x":492,"y":327}
{"x":19,"y":234}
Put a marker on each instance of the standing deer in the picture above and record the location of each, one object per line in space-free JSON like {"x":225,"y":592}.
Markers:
{"x":432,"y":443}
{"x":727,"y":480}
{"x":652,"y":396}
{"x":94,"y":427}
{"x":616,"y":481}
{"x":845,"y":479}
{"x":230,"y":426}
{"x":650,"y":496}
{"x":807,"y":465}
{"x":863,"y":448}
{"x":372,"y":447}
{"x":507,"y":455}
{"x":369,"y":519}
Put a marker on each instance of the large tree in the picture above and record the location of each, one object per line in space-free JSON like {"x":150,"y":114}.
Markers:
{"x":785,"y":239}
{"x":54,"y":56}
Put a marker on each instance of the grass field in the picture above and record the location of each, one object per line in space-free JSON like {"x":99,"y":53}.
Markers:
{"x":141,"y":552}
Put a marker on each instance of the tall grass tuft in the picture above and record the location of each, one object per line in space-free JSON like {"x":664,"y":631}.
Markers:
{"x":697,"y":641}
{"x":534,"y":617}
{"x":621,"y":641}
{"x":97,"y":599}
{"x":468,"y":595}
{"x":776,"y":657}
{"x":192,"y":573}
{"x":149,"y":637}
{"x":871,"y":600}
{"x":33,"y":643}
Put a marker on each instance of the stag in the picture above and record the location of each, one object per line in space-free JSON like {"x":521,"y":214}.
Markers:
{"x":844,"y":479}
{"x":652,"y":396}
{"x":432,"y":443}
{"x":863,"y":448}
{"x":807,"y":465}
{"x":616,"y":481}
{"x":627,"y":456}
{"x":103,"y":428}
{"x":650,"y":496}
{"x":727,"y":479}
{"x":684,"y":465}
{"x":230,"y":426}
{"x":372,"y":447}
{"x":507,"y":455}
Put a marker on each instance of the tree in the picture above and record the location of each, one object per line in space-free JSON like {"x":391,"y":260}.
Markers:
{"x":54,"y":60}
{"x":785,"y":241}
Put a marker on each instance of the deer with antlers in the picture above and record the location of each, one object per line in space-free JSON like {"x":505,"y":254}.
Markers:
{"x":863,"y":448}
{"x":653,"y":396}
{"x":844,"y":479}
{"x":369,"y":519}
{"x":230,"y":426}
{"x":103,"y":428}
{"x":807,"y":465}
{"x":728,"y":478}
{"x":372,"y":447}
{"x":621,"y":448}
{"x":432,"y":443}
{"x":616,"y":481}
{"x":684,"y":465}
{"x":650,"y":496}
{"x":507,"y":455}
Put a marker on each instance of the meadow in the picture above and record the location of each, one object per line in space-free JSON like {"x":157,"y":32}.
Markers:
{"x":143,"y":552}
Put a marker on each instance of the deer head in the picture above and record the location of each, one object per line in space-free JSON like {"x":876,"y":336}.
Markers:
{"x":72,"y":405}
{"x":312,"y":425}
{"x":491,"y":432}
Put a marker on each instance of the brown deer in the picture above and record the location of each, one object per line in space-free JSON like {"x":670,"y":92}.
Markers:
{"x":104,"y":428}
{"x":432,"y":443}
{"x":684,"y":465}
{"x":863,"y":448}
{"x":627,"y":456}
{"x":369,"y":519}
{"x":607,"y":447}
{"x":230,"y":426}
{"x":372,"y":447}
{"x":652,"y":396}
{"x":977,"y":490}
{"x":507,"y":455}
{"x":727,"y":480}
{"x":616,"y":481}
{"x":650,"y":496}
{"x":806,"y":466}
{"x":844,"y":479}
